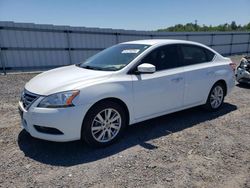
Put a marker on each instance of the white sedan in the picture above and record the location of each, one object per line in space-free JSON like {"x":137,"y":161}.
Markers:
{"x":122,"y":85}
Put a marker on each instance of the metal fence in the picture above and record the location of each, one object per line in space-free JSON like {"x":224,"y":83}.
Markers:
{"x":35,"y":46}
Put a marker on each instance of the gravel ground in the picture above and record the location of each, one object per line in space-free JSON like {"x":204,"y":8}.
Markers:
{"x":191,"y":148}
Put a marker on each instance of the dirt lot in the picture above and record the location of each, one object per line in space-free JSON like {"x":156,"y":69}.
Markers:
{"x":192,"y":148}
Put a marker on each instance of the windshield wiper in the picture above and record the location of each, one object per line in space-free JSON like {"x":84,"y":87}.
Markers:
{"x":90,"y":67}
{"x":110,"y":68}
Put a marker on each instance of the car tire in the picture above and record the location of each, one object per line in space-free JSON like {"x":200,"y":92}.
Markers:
{"x":215,"y":98}
{"x":104,"y":124}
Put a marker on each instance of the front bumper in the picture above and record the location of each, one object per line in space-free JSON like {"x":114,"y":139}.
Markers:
{"x":67,"y":120}
{"x":242,"y":75}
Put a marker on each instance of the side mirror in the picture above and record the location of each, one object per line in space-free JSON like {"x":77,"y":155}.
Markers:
{"x":146,"y":68}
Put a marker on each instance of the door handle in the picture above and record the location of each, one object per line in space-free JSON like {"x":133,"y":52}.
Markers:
{"x":177,"y":79}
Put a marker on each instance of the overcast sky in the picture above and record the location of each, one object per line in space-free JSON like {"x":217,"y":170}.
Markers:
{"x":125,"y":14}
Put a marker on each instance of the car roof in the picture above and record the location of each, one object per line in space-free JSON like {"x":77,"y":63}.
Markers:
{"x":161,"y":41}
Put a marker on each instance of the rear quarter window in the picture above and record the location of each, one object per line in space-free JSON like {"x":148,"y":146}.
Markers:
{"x":210,"y":55}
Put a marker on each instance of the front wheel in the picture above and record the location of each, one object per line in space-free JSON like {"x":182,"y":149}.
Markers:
{"x":216,"y":97}
{"x":104,"y":124}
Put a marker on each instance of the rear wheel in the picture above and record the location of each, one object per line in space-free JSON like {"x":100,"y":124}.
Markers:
{"x":104,"y":124}
{"x":216,"y":97}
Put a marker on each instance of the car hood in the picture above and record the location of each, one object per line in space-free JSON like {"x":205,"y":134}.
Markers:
{"x":64,"y":79}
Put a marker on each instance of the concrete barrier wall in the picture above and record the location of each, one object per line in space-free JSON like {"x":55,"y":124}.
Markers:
{"x":28,"y":46}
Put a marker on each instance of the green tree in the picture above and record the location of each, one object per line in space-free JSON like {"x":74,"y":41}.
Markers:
{"x":191,"y":27}
{"x":234,"y":26}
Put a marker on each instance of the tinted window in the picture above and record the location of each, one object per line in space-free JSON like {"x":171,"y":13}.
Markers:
{"x":210,"y":55}
{"x":165,"y":57}
{"x":193,"y":54}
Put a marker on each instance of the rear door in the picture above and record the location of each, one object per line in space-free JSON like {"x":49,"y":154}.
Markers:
{"x":199,"y":73}
{"x":163,"y":90}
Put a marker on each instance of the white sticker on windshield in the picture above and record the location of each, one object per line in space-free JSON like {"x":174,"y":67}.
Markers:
{"x":130,"y":51}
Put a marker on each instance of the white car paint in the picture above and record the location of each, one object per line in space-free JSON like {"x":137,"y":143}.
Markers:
{"x":63,"y":79}
{"x":163,"y":85}
{"x":145,"y":95}
{"x":200,"y":78}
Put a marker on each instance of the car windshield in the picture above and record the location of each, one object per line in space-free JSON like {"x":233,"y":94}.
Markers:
{"x":114,"y":58}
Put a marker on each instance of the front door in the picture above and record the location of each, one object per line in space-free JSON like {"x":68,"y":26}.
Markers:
{"x":162,"y":91}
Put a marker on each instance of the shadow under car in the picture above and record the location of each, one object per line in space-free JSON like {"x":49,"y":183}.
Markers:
{"x":77,"y":152}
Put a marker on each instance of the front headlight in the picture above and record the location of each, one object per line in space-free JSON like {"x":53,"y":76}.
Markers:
{"x":59,"y":100}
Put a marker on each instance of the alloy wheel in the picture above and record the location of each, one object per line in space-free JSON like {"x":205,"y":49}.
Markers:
{"x":216,"y":97}
{"x":106,"y":125}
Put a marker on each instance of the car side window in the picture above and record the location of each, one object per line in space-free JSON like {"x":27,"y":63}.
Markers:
{"x":193,"y":54}
{"x":164,"y":57}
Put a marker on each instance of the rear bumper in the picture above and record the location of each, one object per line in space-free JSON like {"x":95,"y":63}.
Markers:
{"x":68,"y":121}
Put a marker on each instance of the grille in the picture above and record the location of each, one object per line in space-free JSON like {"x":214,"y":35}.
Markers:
{"x":28,"y":98}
